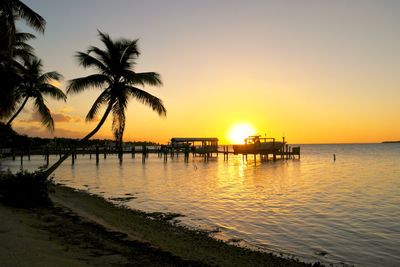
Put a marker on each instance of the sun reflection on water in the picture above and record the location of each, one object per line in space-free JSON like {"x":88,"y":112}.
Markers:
{"x":314,"y":207}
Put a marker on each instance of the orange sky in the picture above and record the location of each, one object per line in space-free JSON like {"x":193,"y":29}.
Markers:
{"x":315,"y":71}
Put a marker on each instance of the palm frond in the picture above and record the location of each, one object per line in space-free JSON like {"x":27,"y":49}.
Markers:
{"x":52,"y":91}
{"x":23,"y":36}
{"x":129,"y":49}
{"x":21,"y":48}
{"x":101,"y":99}
{"x":23,"y":51}
{"x":32,"y":18}
{"x":44,"y":113}
{"x":79,"y":84}
{"x":86,"y":60}
{"x":143,"y":78}
{"x":107,"y":41}
{"x":118,"y":124}
{"x":147,"y":99}
{"x":50,"y":76}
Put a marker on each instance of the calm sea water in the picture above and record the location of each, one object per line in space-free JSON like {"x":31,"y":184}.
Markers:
{"x":343,"y":211}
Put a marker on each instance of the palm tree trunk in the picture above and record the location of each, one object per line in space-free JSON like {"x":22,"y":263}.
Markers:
{"x":51,"y":169}
{"x":18,"y":111}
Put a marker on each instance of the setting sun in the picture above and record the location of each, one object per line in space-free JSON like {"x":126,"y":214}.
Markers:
{"x":238,"y":132}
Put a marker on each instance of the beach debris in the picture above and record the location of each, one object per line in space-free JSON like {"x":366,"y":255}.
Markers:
{"x":321,"y":252}
{"x":121,"y":199}
{"x":234,"y":240}
{"x":169,"y":216}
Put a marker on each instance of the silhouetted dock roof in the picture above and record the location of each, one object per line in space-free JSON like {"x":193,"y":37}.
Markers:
{"x":193,"y":139}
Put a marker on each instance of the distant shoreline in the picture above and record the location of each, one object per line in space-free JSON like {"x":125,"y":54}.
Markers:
{"x":390,"y":142}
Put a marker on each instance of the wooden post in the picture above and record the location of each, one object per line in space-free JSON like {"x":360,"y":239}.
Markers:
{"x":165,"y":152}
{"x":47,"y":155}
{"x":13,"y":153}
{"x":29,"y":152}
{"x":105,"y":152}
{"x":287,"y":151}
{"x":133,"y":152}
{"x":22,"y":156}
{"x":120,"y":153}
{"x":73,"y":156}
{"x":186,"y":154}
{"x":97,"y":154}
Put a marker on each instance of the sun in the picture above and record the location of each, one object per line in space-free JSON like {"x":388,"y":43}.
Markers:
{"x":239,"y":131}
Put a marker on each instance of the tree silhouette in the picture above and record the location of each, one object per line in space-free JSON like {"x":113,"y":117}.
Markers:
{"x":33,"y":85}
{"x":117,"y":79}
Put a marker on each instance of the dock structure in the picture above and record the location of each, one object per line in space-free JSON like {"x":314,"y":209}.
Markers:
{"x":206,"y":148}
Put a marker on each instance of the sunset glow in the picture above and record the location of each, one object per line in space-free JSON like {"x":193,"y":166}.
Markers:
{"x":306,"y":70}
{"x":238,"y":132}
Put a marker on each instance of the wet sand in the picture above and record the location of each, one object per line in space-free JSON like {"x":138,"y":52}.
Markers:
{"x":85,"y":230}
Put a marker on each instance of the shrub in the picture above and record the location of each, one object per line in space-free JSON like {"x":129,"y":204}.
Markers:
{"x":24,"y":189}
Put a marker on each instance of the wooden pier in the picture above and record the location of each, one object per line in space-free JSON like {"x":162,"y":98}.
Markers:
{"x":206,"y":148}
{"x":287,"y":153}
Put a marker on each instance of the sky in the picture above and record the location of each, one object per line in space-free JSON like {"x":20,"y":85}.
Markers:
{"x":313,"y":71}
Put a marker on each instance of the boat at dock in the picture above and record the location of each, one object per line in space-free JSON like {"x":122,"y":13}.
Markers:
{"x":259,"y":145}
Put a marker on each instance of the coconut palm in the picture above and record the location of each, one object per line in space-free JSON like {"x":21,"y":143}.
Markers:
{"x":10,"y":72}
{"x":34,"y":84}
{"x":117,"y":79}
{"x":10,"y":11}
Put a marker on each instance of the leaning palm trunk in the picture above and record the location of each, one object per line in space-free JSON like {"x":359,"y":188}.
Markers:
{"x":118,"y":81}
{"x":52,"y":168}
{"x":18,"y":111}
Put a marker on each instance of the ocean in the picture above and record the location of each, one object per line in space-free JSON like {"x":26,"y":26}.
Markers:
{"x":345,"y":211}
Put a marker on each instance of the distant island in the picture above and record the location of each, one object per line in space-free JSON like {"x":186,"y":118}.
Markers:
{"x":389,"y":142}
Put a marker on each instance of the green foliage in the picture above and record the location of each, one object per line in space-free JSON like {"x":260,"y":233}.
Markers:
{"x":24,"y":189}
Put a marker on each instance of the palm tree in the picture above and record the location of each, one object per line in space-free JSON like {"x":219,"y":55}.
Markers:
{"x":34,"y":84}
{"x":117,"y":80}
{"x":10,"y":11}
{"x":10,"y":72}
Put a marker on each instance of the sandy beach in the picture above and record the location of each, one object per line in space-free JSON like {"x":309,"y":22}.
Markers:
{"x":85,"y":230}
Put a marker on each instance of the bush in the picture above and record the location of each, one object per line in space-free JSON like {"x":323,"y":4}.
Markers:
{"x":25,"y":189}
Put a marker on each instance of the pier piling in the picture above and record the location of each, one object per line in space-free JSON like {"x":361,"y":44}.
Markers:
{"x":97,"y":154}
{"x":22,"y":156}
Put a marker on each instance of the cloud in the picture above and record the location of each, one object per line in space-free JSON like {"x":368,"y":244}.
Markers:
{"x":35,"y":117}
{"x":57,"y":117}
{"x":33,"y":131}
{"x":66,"y":109}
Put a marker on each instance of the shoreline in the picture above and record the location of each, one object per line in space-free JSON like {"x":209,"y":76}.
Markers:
{"x":85,"y":229}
